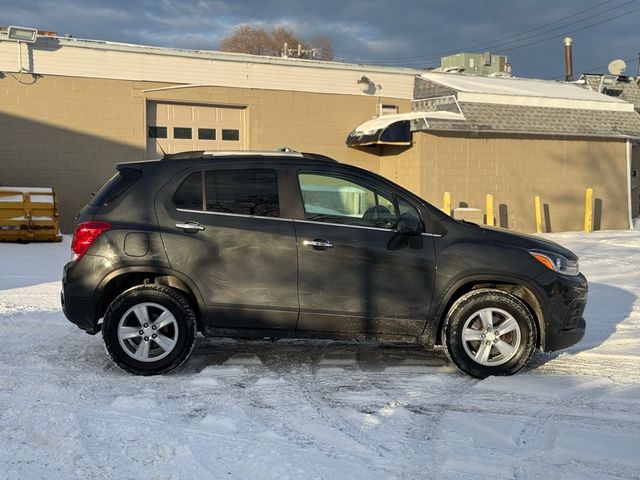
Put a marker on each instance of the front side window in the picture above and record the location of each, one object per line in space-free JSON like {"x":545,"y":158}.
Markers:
{"x":334,"y":199}
{"x":405,"y":207}
{"x":245,"y":192}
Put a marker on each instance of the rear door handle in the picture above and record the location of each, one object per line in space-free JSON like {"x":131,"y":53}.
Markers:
{"x":318,"y":244}
{"x":190,"y":226}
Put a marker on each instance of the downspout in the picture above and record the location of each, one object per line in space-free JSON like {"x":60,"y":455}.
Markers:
{"x":629,"y":153}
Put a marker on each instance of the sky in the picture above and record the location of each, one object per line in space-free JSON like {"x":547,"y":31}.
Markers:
{"x":411,"y":33}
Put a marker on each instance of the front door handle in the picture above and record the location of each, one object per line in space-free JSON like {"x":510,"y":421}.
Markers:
{"x":318,"y":244}
{"x":190,"y":226}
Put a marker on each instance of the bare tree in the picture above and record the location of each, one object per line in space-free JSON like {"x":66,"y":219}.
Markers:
{"x":260,"y":41}
{"x":324,"y":48}
{"x":248,"y":39}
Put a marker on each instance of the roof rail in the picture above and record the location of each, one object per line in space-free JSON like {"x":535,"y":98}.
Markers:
{"x":245,"y":153}
{"x":318,"y":156}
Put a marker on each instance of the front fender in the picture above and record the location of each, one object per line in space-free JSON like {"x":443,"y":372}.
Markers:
{"x":458,"y":286}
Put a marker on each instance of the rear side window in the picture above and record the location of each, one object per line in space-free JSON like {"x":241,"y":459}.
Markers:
{"x":189,"y":194}
{"x":244,"y":192}
{"x":115,"y":187}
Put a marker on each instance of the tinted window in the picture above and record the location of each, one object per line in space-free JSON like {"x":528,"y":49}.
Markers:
{"x":340,"y":200}
{"x":189,"y":195}
{"x":206,"y":134}
{"x":183,"y":133}
{"x":246,"y":192}
{"x":230,"y":134}
{"x":115,"y":186}
{"x":405,"y":207}
{"x":157,"y":132}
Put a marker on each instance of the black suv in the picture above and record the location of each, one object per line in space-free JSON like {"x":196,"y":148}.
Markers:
{"x":287,"y":244}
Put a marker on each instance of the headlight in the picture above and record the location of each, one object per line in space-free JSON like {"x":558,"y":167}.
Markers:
{"x":557,"y":263}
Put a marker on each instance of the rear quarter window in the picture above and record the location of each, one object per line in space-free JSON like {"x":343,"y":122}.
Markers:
{"x":115,"y":186}
{"x":189,"y":194}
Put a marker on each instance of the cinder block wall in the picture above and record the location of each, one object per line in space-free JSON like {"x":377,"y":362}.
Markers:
{"x":68,"y":132}
{"x":517,"y":169}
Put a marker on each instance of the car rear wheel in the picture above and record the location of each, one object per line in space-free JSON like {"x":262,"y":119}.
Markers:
{"x":149,"y":330}
{"x":489,"y":332}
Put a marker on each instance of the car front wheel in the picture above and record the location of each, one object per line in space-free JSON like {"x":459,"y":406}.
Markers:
{"x":149,"y":330}
{"x":489,"y":332}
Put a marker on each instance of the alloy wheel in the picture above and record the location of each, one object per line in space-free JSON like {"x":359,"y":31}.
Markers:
{"x":147,"y":332}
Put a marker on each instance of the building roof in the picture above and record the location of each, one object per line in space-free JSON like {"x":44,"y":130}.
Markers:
{"x":523,"y":106}
{"x":72,"y":57}
{"x":516,"y":87}
{"x":621,"y":87}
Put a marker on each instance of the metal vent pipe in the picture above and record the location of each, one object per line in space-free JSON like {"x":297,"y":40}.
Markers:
{"x":568,"y":62}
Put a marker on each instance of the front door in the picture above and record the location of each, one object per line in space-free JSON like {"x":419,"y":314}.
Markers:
{"x":230,"y":231}
{"x":356,"y":274}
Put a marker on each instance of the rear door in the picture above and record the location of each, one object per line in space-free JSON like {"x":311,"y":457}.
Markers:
{"x":230,"y":230}
{"x":356,"y":274}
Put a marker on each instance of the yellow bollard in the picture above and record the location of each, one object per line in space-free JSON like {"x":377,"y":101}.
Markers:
{"x":447,"y":203}
{"x":490,"y":220}
{"x":588,"y":210}
{"x":538,"y":214}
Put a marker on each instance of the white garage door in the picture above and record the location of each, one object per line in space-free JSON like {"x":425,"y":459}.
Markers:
{"x":179,"y":127}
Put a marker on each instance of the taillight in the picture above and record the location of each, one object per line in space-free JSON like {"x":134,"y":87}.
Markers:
{"x":85,"y":235}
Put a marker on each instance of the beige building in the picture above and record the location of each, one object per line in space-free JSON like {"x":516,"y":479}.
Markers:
{"x":515,"y":139}
{"x":70,"y":109}
{"x":624,"y":88}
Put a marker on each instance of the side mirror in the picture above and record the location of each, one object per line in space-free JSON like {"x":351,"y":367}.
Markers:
{"x":409,"y":224}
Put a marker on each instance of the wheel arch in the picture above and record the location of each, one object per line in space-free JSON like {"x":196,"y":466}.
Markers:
{"x":520,"y":289}
{"x":124,"y":278}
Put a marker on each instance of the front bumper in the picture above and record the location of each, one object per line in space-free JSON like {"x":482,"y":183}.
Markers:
{"x":566,"y":299}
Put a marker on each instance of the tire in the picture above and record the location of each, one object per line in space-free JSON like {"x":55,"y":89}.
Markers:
{"x":479,"y":315}
{"x":149,"y":330}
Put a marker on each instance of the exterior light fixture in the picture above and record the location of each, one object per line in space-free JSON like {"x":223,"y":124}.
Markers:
{"x":22,"y":34}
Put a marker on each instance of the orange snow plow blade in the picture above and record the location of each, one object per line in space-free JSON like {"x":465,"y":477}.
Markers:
{"x":29,"y":214}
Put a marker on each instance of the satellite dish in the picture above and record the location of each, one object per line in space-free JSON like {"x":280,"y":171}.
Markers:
{"x":617,"y":67}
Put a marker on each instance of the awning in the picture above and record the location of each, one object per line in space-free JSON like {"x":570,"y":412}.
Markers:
{"x":393,"y":129}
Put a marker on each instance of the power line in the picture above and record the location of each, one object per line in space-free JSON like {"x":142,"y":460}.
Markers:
{"x":542,"y":40}
{"x":499,"y":41}
{"x":572,"y":31}
{"x":565,"y":25}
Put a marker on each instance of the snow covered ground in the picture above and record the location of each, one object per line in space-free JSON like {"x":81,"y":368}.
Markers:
{"x":307,"y":410}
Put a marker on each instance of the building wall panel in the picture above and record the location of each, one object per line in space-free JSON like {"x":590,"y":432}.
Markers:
{"x":90,"y":59}
{"x":515,"y":170}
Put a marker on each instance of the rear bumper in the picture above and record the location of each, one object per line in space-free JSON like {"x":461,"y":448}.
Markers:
{"x":80,"y":311}
{"x":80,"y":296}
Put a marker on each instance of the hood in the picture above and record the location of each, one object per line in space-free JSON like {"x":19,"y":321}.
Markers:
{"x":529,"y":242}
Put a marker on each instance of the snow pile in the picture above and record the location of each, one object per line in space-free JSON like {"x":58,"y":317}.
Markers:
{"x":317,"y":410}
